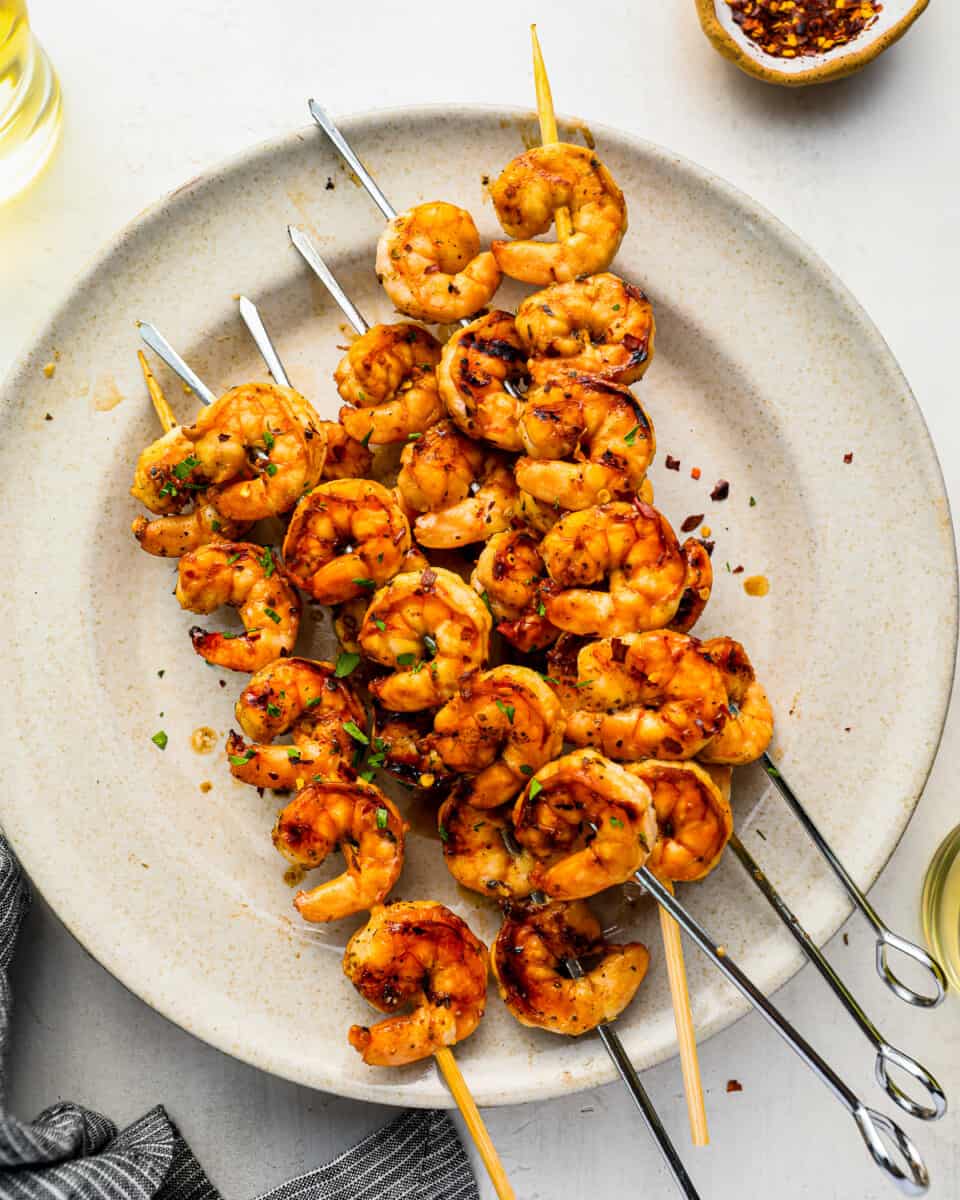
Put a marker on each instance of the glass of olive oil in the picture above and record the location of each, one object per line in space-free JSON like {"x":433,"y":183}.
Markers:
{"x":940,"y":907}
{"x":30,"y":104}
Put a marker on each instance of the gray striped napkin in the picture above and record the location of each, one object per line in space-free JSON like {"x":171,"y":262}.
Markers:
{"x":71,"y":1153}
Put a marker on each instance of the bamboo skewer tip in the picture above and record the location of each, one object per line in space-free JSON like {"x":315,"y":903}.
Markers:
{"x":548,"y":125}
{"x":160,"y":404}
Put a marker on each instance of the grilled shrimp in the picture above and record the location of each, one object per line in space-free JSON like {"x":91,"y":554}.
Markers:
{"x":344,"y":538}
{"x":433,"y":629}
{"x":501,"y":728}
{"x":647,"y":695}
{"x":528,"y":958}
{"x":475,"y":851}
{"x":631,"y":544}
{"x":307,"y":700}
{"x":388,"y":380}
{"x":262,"y":445}
{"x":246,"y":577}
{"x":528,"y":193}
{"x":588,"y":442}
{"x":507,"y":576}
{"x":588,"y":822}
{"x":749,"y":725}
{"x":416,"y":953}
{"x":369,"y":831}
{"x":599,"y":326}
{"x":171,"y":536}
{"x":346,"y":457}
{"x":477,"y":364}
{"x":429,"y":262}
{"x":161,"y":472}
{"x":694,"y":821}
{"x":697,"y":586}
{"x":462,"y":492}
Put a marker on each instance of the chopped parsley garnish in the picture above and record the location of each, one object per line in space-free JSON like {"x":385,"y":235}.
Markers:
{"x":444,"y":835}
{"x":273,"y":710}
{"x":160,"y":739}
{"x":161,"y":673}
{"x":525,"y":769}
{"x":274,"y":616}
{"x":412,"y":437}
{"x":368,"y":776}
{"x":631,"y":437}
{"x":356,"y":732}
{"x":753,"y":502}
{"x":536,"y":787}
{"x":364,"y":583}
{"x":240,"y":760}
{"x":183,"y":469}
{"x":293,"y":754}
{"x":346,"y":665}
{"x":507,"y":709}
{"x":541,"y":609}
{"x":486,"y":599}
{"x":268,"y":439}
{"x":616,"y":822}
{"x":381,"y":625}
{"x":266,"y":561}
{"x":169,"y":489}
{"x":382,"y":815}
{"x":418,"y":668}
{"x":314,"y":701}
{"x":215,"y":526}
{"x":271,"y":469}
{"x":406,"y":660}
{"x":232,"y":558}
{"x":365,"y":440}
{"x":585,"y":683}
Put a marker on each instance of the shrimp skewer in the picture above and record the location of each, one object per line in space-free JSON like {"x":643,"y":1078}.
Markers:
{"x":419,"y":952}
{"x":609,"y":1037}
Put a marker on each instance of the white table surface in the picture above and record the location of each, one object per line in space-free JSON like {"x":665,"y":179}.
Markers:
{"x":865,"y":170}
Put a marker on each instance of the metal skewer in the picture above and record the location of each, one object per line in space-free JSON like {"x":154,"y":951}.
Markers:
{"x":886,"y":939}
{"x":873,"y":1125}
{"x":162,"y":348}
{"x":887,"y":1056}
{"x":609,"y":1036}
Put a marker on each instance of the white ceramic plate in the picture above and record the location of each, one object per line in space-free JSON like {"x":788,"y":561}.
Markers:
{"x":766,"y":374}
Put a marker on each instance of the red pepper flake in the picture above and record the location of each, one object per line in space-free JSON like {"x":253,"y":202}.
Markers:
{"x":428,"y":578}
{"x":734,"y":1085}
{"x":707,"y":545}
{"x":694,"y":472}
{"x":691,"y":523}
{"x":848,"y":457}
{"x":671,"y":463}
{"x":798,"y":28}
{"x":738,"y":570}
{"x":721,"y":490}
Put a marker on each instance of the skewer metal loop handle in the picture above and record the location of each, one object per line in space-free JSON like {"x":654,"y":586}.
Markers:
{"x":886,"y":940}
{"x":887,"y":1056}
{"x":258,"y":331}
{"x":347,"y":153}
{"x":877,"y":1131}
{"x":913,"y":1180}
{"x":311,"y":256}
{"x":153,"y":338}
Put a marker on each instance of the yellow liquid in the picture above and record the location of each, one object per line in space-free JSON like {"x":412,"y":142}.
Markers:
{"x":30,"y":105}
{"x":940,"y":907}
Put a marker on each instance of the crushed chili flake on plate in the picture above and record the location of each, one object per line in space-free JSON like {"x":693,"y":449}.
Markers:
{"x":798,"y":28}
{"x":734,"y":1085}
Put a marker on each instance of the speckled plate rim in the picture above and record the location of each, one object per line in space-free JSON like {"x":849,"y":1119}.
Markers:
{"x":840,"y":65}
{"x":97,"y":942}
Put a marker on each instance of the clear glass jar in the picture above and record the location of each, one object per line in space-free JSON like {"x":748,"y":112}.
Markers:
{"x":31,"y":108}
{"x":940,"y":907}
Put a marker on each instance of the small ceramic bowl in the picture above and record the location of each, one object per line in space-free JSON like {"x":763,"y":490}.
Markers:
{"x":893,"y":21}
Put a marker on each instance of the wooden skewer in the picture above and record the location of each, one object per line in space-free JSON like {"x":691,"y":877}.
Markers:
{"x":471,"y":1115}
{"x":160,"y":405}
{"x":548,"y":125}
{"x":670,"y":931}
{"x":683,"y":1018}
